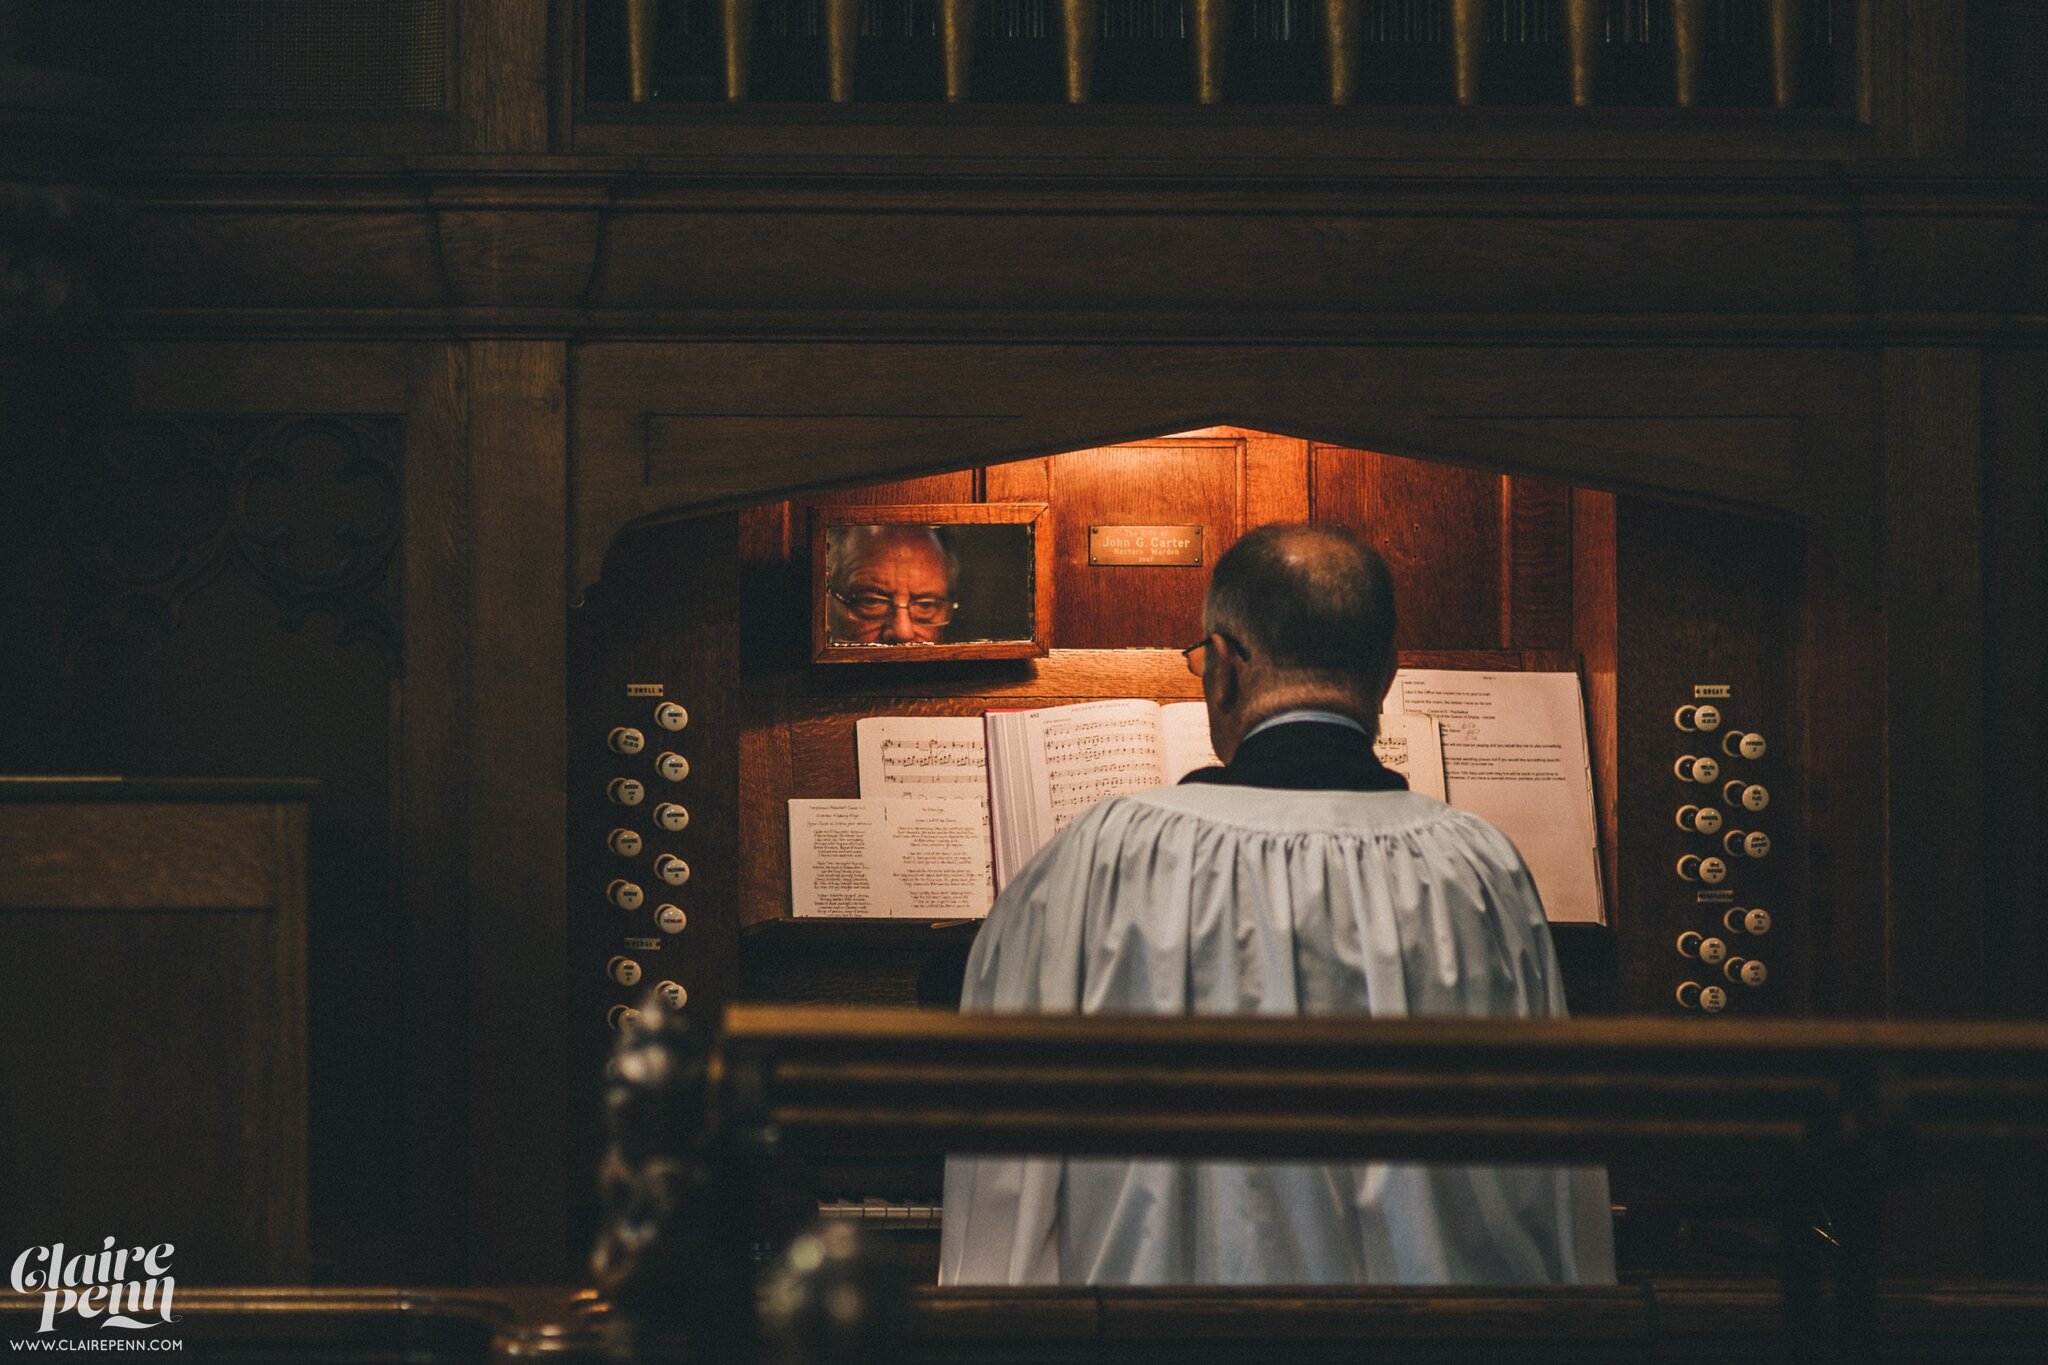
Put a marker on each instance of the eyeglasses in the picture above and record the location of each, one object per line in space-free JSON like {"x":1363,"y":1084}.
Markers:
{"x":1197,"y":654}
{"x":875,"y":606}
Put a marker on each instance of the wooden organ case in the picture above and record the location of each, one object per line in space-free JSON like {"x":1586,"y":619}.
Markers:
{"x":1714,"y":363}
{"x":1701,"y":636}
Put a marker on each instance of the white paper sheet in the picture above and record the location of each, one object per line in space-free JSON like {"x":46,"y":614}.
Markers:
{"x":897,"y":858}
{"x":1184,"y":739}
{"x":921,"y":756}
{"x":1514,"y":752}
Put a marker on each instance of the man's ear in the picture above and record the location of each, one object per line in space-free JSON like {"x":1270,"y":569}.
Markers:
{"x":1227,"y":672}
{"x":1386,"y":685}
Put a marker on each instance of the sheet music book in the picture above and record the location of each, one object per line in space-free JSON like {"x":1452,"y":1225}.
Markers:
{"x":1036,"y":768}
{"x":1515,"y":753}
{"x":1047,"y":766}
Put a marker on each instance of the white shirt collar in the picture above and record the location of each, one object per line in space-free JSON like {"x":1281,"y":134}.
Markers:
{"x":1305,"y":713}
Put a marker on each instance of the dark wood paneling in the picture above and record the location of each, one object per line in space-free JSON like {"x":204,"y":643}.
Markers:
{"x":259,"y":637}
{"x":517,"y":877}
{"x":1439,"y":527}
{"x":505,"y":74}
{"x":1018,"y":481}
{"x":1537,"y":560}
{"x":958,"y":486}
{"x":80,"y":858}
{"x":277,"y":377}
{"x":1934,"y":615}
{"x":176,"y":1101}
{"x":1615,"y":418}
{"x":2016,"y":756}
{"x":431,"y":810}
{"x":1191,"y":483}
{"x":2016,"y":663}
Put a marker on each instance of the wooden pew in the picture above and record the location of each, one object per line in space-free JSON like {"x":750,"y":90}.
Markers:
{"x":1830,"y":1107}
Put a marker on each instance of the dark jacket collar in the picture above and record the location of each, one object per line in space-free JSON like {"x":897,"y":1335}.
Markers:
{"x":1305,"y":755}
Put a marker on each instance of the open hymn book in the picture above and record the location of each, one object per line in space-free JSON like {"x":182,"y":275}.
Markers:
{"x":1047,"y":766}
{"x":920,"y":843}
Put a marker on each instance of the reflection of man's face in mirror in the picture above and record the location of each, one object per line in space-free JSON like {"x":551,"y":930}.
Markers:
{"x":889,"y":585}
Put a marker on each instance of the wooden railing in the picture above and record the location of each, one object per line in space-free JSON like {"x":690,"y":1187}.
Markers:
{"x":1634,"y":53}
{"x":1832,"y":1109}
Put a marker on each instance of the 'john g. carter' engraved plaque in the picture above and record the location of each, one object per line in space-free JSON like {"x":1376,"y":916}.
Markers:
{"x":1175,"y":545}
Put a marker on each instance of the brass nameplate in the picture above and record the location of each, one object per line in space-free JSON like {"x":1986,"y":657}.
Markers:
{"x":1175,"y":545}
{"x":644,"y":689}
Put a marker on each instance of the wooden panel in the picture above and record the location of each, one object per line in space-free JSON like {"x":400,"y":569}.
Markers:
{"x":517,"y":878}
{"x":504,"y":61}
{"x":1437,"y":400}
{"x":155,"y":1077}
{"x":2016,"y":753}
{"x":1935,"y":633}
{"x":955,"y":487}
{"x":282,"y":258}
{"x":1195,"y":483}
{"x":1439,"y":527}
{"x":1537,"y":562}
{"x":2016,"y":662}
{"x":276,"y":377}
{"x":1018,"y":481}
{"x":431,"y":809}
{"x":1276,"y":479}
{"x":94,"y":857}
{"x":699,"y":456}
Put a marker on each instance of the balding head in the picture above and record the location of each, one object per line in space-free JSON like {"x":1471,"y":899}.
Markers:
{"x":1312,"y":606}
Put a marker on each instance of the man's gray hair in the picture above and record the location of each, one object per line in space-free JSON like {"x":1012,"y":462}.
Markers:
{"x":1312,"y":598}
{"x":848,"y":547}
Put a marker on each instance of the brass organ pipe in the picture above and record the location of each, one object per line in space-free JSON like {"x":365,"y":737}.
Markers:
{"x":1585,"y":29}
{"x":643,"y":17}
{"x":1468,"y":32}
{"x":1080,"y":31}
{"x":1342,"y":28}
{"x":736,"y":34}
{"x":1786,"y":20}
{"x":1689,"y":49}
{"x":956,"y":39}
{"x":842,"y":45}
{"x":1211,"y":45}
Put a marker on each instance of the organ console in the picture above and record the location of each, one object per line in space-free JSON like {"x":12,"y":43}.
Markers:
{"x":682,"y":840}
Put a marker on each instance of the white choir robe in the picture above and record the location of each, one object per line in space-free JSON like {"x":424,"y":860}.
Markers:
{"x":1220,"y":900}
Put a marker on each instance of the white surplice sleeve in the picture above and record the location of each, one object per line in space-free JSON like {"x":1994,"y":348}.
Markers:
{"x":1231,"y":900}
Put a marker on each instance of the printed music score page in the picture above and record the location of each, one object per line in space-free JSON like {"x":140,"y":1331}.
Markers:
{"x":1411,"y":744}
{"x":1047,"y":766}
{"x":921,"y":756}
{"x":1514,"y":753}
{"x":895,"y":858}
